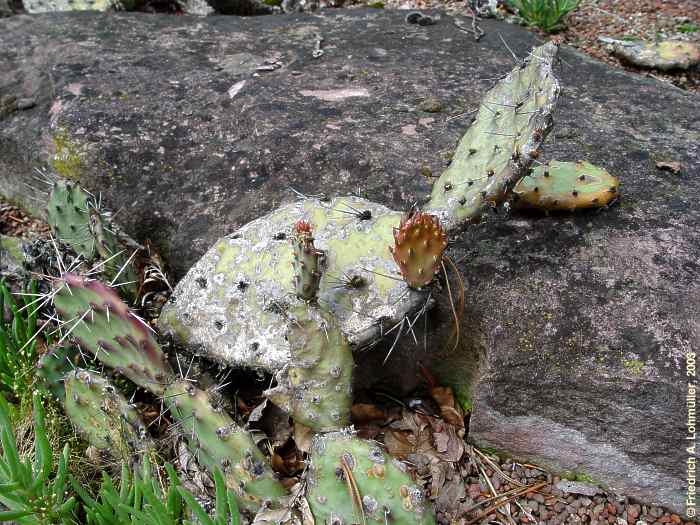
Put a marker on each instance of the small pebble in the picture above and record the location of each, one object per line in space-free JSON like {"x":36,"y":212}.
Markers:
{"x":26,"y":103}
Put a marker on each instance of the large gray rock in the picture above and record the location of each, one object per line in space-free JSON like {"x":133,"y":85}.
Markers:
{"x":575,"y":327}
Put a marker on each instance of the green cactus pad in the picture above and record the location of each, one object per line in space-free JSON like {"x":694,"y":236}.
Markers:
{"x":566,"y":186}
{"x":216,"y":441}
{"x":387,"y":492}
{"x":103,"y":416}
{"x":103,"y":325}
{"x":77,"y":222}
{"x":514,"y":118}
{"x":316,"y":388}
{"x":68,"y":214}
{"x":307,"y":262}
{"x":53,"y":366}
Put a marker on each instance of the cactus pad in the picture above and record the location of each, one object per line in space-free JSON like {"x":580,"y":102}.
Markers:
{"x":68,"y":213}
{"x":231,"y":303}
{"x":217,"y":441}
{"x":316,"y":388}
{"x":567,"y":186}
{"x":102,"y":324}
{"x":103,"y":416}
{"x":418,"y":246}
{"x":53,"y":366}
{"x":307,"y":262}
{"x":497,"y":150}
{"x":352,"y":480}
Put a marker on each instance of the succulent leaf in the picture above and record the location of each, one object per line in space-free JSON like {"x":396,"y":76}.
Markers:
{"x":352,"y":480}
{"x":102,"y":324}
{"x":68,"y":213}
{"x":217,"y":441}
{"x":316,"y":388}
{"x":103,"y":416}
{"x":514,"y":118}
{"x":567,"y":186}
{"x":418,"y":246}
{"x":307,"y":262}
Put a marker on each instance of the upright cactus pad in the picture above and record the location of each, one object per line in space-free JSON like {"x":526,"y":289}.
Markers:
{"x":567,"y":186}
{"x":68,"y":213}
{"x":316,"y":388}
{"x":102,"y":324}
{"x":217,"y":441}
{"x":514,"y":118}
{"x":418,"y":246}
{"x":352,"y":480}
{"x":101,"y":414}
{"x":53,"y":367}
{"x":76,"y":221}
{"x":307,"y":262}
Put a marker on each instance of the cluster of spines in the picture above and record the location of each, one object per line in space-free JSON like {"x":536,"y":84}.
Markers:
{"x":419,"y":243}
{"x":307,"y":262}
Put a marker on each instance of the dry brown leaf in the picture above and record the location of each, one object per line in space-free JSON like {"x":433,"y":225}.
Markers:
{"x":443,"y":396}
{"x":365,"y":412}
{"x":303,"y":436}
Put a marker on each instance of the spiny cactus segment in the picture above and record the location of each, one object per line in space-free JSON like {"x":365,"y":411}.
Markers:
{"x":76,"y":221}
{"x":216,"y":441}
{"x":316,"y":388}
{"x":53,"y":366}
{"x":419,"y":243}
{"x":101,"y":414}
{"x":567,"y":186}
{"x":307,"y":262}
{"x":103,"y":325}
{"x":352,"y":480}
{"x":514,"y":118}
{"x":68,"y":213}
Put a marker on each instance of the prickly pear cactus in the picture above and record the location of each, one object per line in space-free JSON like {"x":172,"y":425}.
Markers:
{"x":566,"y":186}
{"x":53,"y":366}
{"x":76,"y":221}
{"x":103,"y":325}
{"x":514,"y":118}
{"x":316,"y":388}
{"x":418,"y":246}
{"x":68,"y":213}
{"x":352,"y":480}
{"x":231,"y":303}
{"x":216,"y":441}
{"x":101,"y":414}
{"x":307,"y":262}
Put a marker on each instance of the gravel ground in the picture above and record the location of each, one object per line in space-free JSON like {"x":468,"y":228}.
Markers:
{"x":558,"y":502}
{"x":16,"y":222}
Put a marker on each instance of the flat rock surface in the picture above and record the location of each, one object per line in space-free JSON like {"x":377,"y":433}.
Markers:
{"x":577,"y":325}
{"x":665,"y":55}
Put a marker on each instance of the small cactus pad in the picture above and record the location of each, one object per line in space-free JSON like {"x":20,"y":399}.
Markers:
{"x":53,"y":366}
{"x":102,"y":324}
{"x":316,"y":389}
{"x":307,"y":262}
{"x":216,"y":441}
{"x":514,"y":118}
{"x":567,"y":186}
{"x":101,"y":414}
{"x":68,"y":213}
{"x":418,"y":245}
{"x":352,"y":480}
